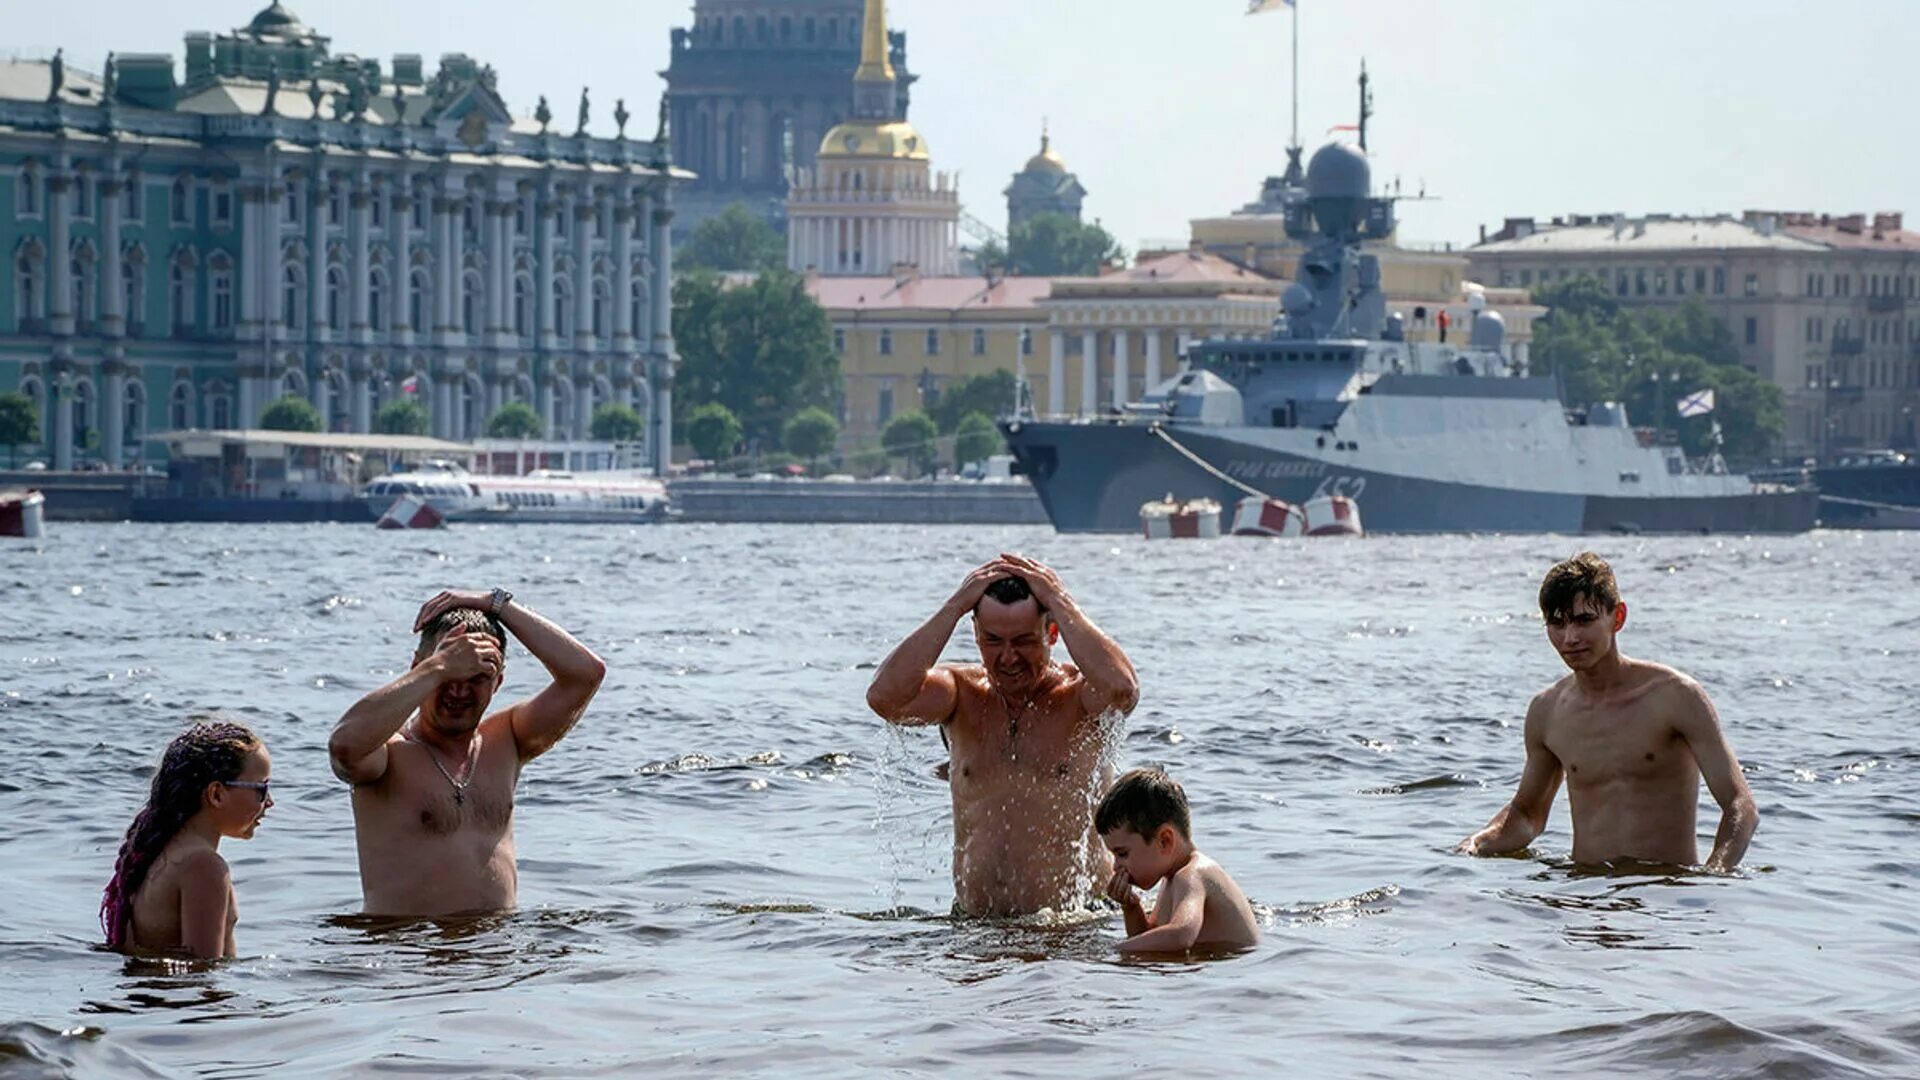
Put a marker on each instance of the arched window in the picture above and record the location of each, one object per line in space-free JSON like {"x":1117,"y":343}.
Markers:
{"x":807,"y":31}
{"x":377,"y":300}
{"x":29,"y":192}
{"x":27,"y":289}
{"x":133,"y":416}
{"x":133,"y":292}
{"x":222,"y":289}
{"x":131,"y":205}
{"x":82,"y":196}
{"x":292,"y":290}
{"x":336,"y":299}
{"x":601,"y":308}
{"x":522,"y":291}
{"x":334,"y":202}
{"x":221,"y":410}
{"x":177,"y":202}
{"x":637,"y":309}
{"x":417,"y":301}
{"x":469,"y":220}
{"x":471,"y":304}
{"x":562,"y":307}
{"x":180,"y":407}
{"x":83,"y":298}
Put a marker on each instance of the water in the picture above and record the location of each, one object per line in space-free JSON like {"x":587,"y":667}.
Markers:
{"x":731,"y":867}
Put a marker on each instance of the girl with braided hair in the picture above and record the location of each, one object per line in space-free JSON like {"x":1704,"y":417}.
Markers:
{"x":171,"y":892}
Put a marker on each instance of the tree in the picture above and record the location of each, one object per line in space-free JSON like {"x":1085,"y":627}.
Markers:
{"x":615,"y":422}
{"x":401,"y":416}
{"x":291,"y":413}
{"x":1053,"y":245}
{"x":515,"y":420}
{"x":990,"y":394}
{"x":975,"y":440}
{"x":1650,"y":358}
{"x":713,"y":431}
{"x":764,"y":350}
{"x":911,"y":435}
{"x":19,"y":423}
{"x":734,"y":239}
{"x":811,"y":433}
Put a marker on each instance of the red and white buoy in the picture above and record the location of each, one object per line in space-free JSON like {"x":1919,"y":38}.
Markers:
{"x":411,"y":512}
{"x":1333,"y":515}
{"x":23,"y":513}
{"x":1195,"y":519}
{"x":1257,"y":516}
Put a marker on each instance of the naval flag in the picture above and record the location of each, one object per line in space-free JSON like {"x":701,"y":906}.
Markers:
{"x":1255,"y":7}
{"x":410,"y":385}
{"x":1699,"y":403}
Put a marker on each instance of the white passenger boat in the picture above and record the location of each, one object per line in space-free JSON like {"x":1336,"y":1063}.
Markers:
{"x":544,"y":496}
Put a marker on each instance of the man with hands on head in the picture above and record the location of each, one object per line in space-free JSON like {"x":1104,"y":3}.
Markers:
{"x":434,"y":773}
{"x":1024,"y":732}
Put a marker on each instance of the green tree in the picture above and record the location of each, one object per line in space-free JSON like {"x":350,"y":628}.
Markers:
{"x":615,"y":422}
{"x":19,"y":423}
{"x":734,"y":239}
{"x":1052,"y":245}
{"x":713,"y":431}
{"x":912,"y":435}
{"x":291,"y":413}
{"x":1650,"y":358}
{"x":515,"y":420}
{"x":976,"y":439}
{"x":811,"y":433}
{"x":764,"y":350}
{"x":401,"y":416}
{"x":990,"y":394}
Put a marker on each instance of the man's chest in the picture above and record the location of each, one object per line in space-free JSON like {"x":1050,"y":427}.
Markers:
{"x":1597,"y":744}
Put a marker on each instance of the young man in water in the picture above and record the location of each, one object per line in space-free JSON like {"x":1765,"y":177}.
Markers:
{"x":433,"y":774}
{"x":1145,"y":823}
{"x":1025,"y":733}
{"x":1633,"y":740}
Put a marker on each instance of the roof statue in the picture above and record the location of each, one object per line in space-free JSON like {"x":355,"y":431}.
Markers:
{"x":356,"y":95}
{"x":621,"y":116}
{"x":314,"y":95}
{"x":399,"y":104}
{"x":543,"y":114}
{"x":58,"y":72}
{"x":661,"y":134}
{"x":584,"y":108}
{"x":273,"y":85}
{"x":110,"y":81}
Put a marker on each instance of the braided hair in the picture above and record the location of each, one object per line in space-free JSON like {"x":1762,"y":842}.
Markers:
{"x":203,"y":754}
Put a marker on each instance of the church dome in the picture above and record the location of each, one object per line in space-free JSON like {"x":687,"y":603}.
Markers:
{"x":1046,"y":161}
{"x":874,"y":139}
{"x":276,"y":21}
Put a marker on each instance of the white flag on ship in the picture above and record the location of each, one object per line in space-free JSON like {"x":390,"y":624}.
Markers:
{"x":1699,"y":403}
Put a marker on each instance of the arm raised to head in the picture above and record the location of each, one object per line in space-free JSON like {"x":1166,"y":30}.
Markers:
{"x":1525,"y":816}
{"x":543,"y":719}
{"x":1108,"y":681}
{"x":910,"y":687}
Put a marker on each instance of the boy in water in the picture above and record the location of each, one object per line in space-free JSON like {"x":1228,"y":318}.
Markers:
{"x":1144,"y":822}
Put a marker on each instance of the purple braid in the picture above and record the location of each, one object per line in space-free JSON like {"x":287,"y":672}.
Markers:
{"x":198,"y":756}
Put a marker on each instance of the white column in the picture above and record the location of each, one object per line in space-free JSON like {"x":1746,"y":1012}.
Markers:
{"x":322,"y":393}
{"x":114,"y":414}
{"x":1153,"y":360}
{"x":316,"y":259}
{"x":445,"y":273}
{"x":111,"y":292}
{"x":1183,"y":340}
{"x":623,"y":274}
{"x":359,"y":273}
{"x":252,"y":225}
{"x":1056,"y":373}
{"x":1089,"y":372}
{"x":543,"y":398}
{"x":1120,"y":366}
{"x":361,"y":403}
{"x":547,"y":213}
{"x":60,"y":311}
{"x":456,"y":266}
{"x":400,"y":234}
{"x":62,"y":395}
{"x":583,"y":211}
{"x":660,"y":245}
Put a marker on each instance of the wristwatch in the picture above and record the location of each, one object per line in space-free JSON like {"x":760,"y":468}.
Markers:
{"x":501,"y":598}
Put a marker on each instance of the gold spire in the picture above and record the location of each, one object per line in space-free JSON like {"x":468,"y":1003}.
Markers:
{"x":875,"y":65}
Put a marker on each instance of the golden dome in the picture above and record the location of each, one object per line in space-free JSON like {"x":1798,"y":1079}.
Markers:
{"x":1046,"y":161}
{"x":874,"y":139}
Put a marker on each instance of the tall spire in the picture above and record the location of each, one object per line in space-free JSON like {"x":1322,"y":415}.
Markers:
{"x":873,"y":83}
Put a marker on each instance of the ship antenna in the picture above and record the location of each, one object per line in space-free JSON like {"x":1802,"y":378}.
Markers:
{"x":1366,"y":107}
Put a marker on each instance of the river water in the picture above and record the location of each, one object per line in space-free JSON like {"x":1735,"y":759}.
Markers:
{"x":730,"y":867}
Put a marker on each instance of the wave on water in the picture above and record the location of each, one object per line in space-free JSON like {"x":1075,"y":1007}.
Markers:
{"x":36,"y":1050}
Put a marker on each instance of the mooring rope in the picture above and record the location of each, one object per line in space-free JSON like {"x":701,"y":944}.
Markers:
{"x":1205,"y":464}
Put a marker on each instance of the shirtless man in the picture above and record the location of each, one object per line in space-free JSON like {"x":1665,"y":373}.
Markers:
{"x":1632,"y":738}
{"x":1024,"y":732}
{"x":433,"y":775}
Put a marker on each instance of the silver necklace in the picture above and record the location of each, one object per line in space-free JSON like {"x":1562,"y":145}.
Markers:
{"x":459,"y":786}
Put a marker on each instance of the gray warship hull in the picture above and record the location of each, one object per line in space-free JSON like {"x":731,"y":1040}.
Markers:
{"x":1092,"y":477}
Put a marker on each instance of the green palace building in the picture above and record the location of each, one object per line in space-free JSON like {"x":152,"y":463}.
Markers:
{"x":183,"y":247}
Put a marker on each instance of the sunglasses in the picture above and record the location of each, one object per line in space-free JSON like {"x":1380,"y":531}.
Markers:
{"x":260,"y":786}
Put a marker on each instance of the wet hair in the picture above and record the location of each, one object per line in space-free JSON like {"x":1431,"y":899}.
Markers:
{"x":1585,"y":575}
{"x":1141,"y":802}
{"x":463,"y":619}
{"x":1010,"y":590}
{"x":203,"y":754}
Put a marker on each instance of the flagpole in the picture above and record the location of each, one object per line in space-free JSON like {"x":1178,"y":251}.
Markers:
{"x":1296,"y":71}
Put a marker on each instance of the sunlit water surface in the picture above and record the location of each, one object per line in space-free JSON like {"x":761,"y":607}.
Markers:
{"x":732,"y":867}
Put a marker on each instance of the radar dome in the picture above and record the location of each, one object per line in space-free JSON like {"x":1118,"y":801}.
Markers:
{"x":1296,"y":300}
{"x":1338,"y":171}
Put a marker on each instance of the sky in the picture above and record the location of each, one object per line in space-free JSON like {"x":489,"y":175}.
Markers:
{"x":1170,"y":110}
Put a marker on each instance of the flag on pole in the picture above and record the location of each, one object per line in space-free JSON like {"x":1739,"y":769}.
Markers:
{"x":410,"y":384}
{"x":1257,"y":7}
{"x":1699,"y":403}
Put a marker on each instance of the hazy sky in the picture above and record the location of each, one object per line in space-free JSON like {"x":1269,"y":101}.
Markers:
{"x":1174,"y":109}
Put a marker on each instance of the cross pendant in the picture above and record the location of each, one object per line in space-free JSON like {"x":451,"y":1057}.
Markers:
{"x":459,"y":798}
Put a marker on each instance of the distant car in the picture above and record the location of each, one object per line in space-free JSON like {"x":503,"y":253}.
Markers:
{"x":35,"y":466}
{"x":838,"y":478}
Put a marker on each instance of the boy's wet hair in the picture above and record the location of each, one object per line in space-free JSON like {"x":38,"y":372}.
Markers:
{"x":466,"y":619}
{"x":1141,"y":802}
{"x":1585,"y":575}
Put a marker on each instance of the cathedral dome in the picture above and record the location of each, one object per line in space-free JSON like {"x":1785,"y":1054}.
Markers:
{"x":1046,"y":161}
{"x":874,"y":139}
{"x":276,"y":21}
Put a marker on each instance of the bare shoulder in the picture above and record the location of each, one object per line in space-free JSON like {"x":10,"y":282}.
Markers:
{"x":1671,"y":683}
{"x":203,"y":867}
{"x":1547,"y":702}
